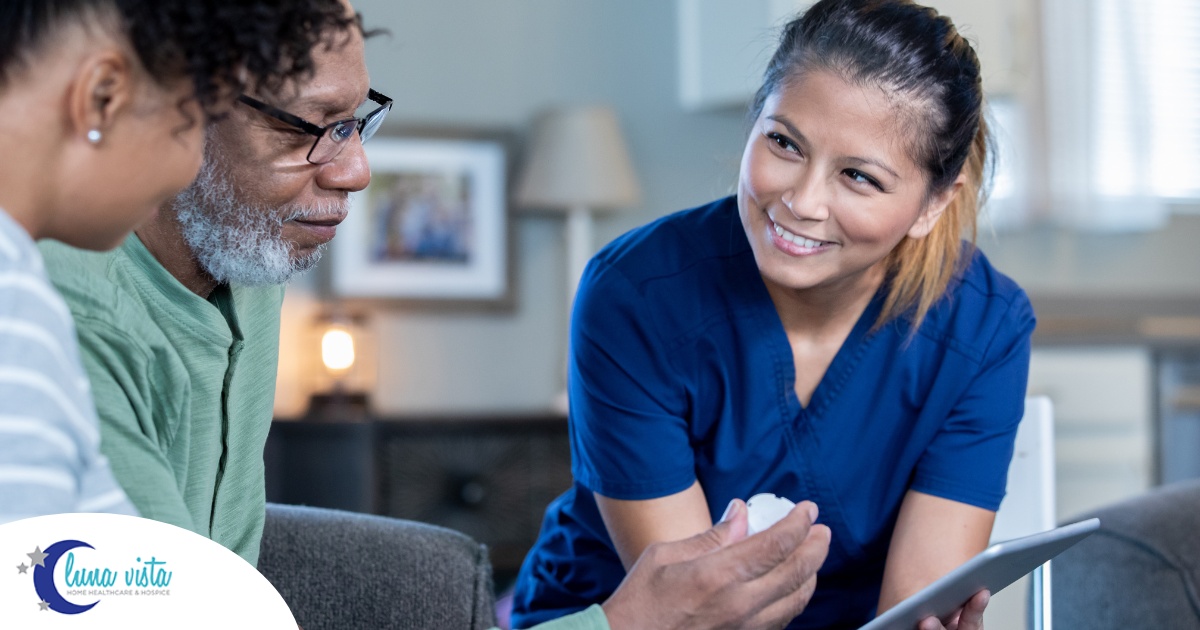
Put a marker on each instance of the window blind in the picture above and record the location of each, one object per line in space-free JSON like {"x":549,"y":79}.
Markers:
{"x":1146,"y":90}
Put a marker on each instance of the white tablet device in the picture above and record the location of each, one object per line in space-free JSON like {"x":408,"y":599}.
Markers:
{"x":993,"y":569}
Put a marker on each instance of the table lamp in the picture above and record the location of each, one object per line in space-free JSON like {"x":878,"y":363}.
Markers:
{"x":577,"y":164}
{"x":343,"y":379}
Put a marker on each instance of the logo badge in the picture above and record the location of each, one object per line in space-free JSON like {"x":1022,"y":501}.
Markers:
{"x":113,"y":570}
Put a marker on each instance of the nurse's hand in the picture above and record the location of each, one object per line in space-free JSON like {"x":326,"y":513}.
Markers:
{"x":722,"y":579}
{"x":969,"y":617}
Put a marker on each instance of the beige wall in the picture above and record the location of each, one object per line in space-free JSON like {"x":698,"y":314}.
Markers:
{"x":492,"y":64}
{"x":488,"y":64}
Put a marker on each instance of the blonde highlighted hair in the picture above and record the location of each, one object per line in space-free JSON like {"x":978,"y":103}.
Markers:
{"x":920,"y":269}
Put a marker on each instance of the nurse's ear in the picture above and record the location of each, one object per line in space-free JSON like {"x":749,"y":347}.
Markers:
{"x":935,"y":208}
{"x":99,"y":92}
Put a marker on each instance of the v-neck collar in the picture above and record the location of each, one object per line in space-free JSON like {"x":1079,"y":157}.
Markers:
{"x":839,"y":370}
{"x":847,"y":357}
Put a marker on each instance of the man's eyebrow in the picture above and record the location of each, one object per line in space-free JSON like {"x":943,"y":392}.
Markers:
{"x":799,"y":138}
{"x":320,"y":107}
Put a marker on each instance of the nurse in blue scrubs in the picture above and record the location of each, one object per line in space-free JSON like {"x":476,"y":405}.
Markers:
{"x":825,"y":335}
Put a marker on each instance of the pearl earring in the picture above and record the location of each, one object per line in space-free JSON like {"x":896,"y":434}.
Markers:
{"x":94,"y":136}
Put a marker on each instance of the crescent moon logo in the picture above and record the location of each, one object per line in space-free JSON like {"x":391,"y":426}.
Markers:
{"x":43,"y":579}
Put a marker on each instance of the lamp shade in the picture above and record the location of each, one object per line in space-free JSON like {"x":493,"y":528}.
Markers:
{"x":577,"y":158}
{"x":343,"y":354}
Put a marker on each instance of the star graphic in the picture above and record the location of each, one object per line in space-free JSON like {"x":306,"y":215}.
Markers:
{"x":21,"y":568}
{"x":43,"y":605}
{"x":37,"y":557}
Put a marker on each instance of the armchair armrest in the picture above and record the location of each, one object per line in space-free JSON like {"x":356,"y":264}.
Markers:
{"x":1141,"y":570}
{"x":340,"y":569}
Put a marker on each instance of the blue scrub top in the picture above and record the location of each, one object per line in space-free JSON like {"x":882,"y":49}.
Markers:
{"x":681,"y":370}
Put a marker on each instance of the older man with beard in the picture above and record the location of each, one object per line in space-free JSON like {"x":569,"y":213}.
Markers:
{"x":179,"y":326}
{"x":179,"y":330}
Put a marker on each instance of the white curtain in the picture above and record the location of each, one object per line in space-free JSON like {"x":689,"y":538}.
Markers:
{"x":1122,"y":110}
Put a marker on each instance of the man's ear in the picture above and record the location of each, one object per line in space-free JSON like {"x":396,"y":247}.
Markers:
{"x":101,"y":89}
{"x":934,"y":209}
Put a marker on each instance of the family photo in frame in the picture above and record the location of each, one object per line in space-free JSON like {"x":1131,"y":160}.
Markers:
{"x":431,"y":226}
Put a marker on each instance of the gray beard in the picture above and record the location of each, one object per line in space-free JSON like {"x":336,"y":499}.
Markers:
{"x":237,"y":242}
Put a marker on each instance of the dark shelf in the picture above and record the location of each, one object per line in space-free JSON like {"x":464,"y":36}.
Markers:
{"x":490,"y":477}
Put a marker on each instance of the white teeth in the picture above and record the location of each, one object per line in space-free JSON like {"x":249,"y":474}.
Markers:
{"x":799,"y":240}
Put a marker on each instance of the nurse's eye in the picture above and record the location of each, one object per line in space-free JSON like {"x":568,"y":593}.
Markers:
{"x":782,"y":142}
{"x":862,"y":179}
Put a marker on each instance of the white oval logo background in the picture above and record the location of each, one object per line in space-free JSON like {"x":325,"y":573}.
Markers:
{"x":114,"y":571}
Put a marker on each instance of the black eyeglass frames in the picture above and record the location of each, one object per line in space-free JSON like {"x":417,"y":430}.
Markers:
{"x":331,"y":138}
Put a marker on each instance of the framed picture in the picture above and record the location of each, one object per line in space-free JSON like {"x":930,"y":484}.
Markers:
{"x":431,"y":226}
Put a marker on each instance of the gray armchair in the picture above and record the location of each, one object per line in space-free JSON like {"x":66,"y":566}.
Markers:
{"x":345,"y":570}
{"x":1141,"y":570}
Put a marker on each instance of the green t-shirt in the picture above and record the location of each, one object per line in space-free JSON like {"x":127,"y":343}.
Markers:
{"x":184,"y":387}
{"x":590,"y":618}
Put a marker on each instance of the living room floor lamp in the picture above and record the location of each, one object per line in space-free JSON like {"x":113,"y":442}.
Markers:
{"x":577,"y":164}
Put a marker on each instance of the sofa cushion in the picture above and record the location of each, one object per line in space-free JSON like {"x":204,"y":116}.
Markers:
{"x":1141,"y":570}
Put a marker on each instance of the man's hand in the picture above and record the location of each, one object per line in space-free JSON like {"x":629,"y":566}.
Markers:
{"x":722,"y":579}
{"x":969,"y":617}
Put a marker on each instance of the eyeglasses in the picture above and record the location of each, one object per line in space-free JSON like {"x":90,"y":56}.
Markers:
{"x":332,"y":138}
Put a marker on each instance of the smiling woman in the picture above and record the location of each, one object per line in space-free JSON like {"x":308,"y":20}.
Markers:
{"x":818,"y":183}
{"x":824,"y":335}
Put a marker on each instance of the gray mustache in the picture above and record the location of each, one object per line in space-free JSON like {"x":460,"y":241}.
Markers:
{"x":340,"y":208}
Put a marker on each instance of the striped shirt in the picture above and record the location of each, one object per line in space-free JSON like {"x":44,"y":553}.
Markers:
{"x":50,"y":460}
